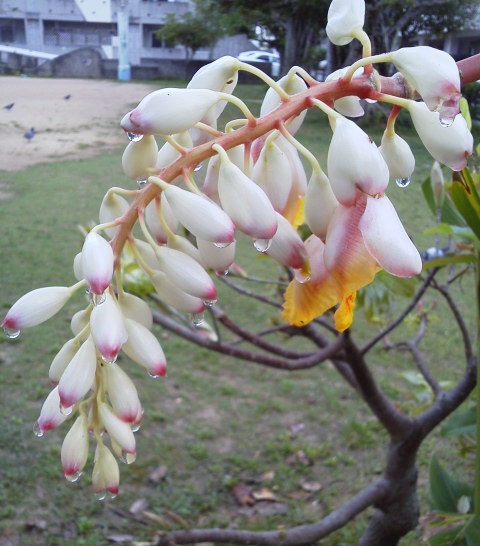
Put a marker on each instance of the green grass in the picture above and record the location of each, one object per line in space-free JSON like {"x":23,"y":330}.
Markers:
{"x":214,"y":421}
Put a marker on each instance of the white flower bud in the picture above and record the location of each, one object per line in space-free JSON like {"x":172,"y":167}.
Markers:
{"x":144,"y":349}
{"x":153,"y":210}
{"x":217,"y":258}
{"x":62,"y":359}
{"x":398,"y":155}
{"x":97,"y":262}
{"x":122,"y":393}
{"x":113,"y":206}
{"x":287,"y":246}
{"x":106,"y":474}
{"x":170,"y":294}
{"x":74,"y":452}
{"x":345,"y":18}
{"x":50,"y":415}
{"x":108,"y":328}
{"x":135,"y":308}
{"x":139,"y":157}
{"x":320,"y":203}
{"x":118,"y":430}
{"x":437,"y":183}
{"x":168,"y":111}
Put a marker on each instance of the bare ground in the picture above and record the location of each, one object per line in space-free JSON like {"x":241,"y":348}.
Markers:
{"x":72,"y":118}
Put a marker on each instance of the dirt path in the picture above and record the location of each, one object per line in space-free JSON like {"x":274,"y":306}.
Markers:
{"x":72,"y":118}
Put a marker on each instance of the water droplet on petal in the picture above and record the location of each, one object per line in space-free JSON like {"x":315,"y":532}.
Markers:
{"x":262,"y":245}
{"x":11,"y":333}
{"x":302,"y":276}
{"x":100,"y":495}
{"x":198,"y":167}
{"x":141,"y":183}
{"x":198,"y":318}
{"x":403,"y":182}
{"x":209,"y":303}
{"x":447,"y":111}
{"x":153,"y":375}
{"x":446,"y":121}
{"x":222,"y":245}
{"x":127,"y":458}
{"x":66,"y":411}
{"x":73,"y":477}
{"x":37,"y":430}
{"x":222,"y":273}
{"x":134,"y":137}
{"x":109,"y":360}
{"x":97,"y":299}
{"x":136,"y":426}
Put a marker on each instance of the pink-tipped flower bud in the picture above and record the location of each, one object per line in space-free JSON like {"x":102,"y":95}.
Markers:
{"x":36,"y":307}
{"x":122,"y":393}
{"x":97,"y":262}
{"x":50,"y":415}
{"x":74,"y":452}
{"x":398,"y":156}
{"x":139,"y":157}
{"x":345,"y":18}
{"x":450,"y":145}
{"x":144,"y":349}
{"x":135,"y":308}
{"x":217,"y":258}
{"x":174,"y":296}
{"x":320,"y":204}
{"x":354,"y":163}
{"x":106,"y":474}
{"x":79,"y":375}
{"x":62,"y":359}
{"x":434,"y":74}
{"x":220,"y":75}
{"x":168,"y":111}
{"x":108,"y":328}
{"x":200,"y":215}
{"x":245,"y":202}
{"x":118,"y":430}
{"x":287,"y":247}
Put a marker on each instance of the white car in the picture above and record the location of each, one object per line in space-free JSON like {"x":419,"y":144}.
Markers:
{"x":259,"y":56}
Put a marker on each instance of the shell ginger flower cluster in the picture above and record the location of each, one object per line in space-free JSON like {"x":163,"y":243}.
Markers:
{"x":258,"y":180}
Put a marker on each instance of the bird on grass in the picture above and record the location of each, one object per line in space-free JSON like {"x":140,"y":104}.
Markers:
{"x":66,"y":97}
{"x":30,"y":134}
{"x":9,"y":106}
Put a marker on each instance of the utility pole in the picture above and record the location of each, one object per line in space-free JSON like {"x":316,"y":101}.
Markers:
{"x":124,"y":72}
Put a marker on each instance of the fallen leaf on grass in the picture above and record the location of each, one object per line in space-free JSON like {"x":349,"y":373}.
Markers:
{"x":264,"y":495}
{"x":119,"y":539}
{"x":311,"y":487}
{"x":139,"y":506}
{"x":36,"y":523}
{"x":158,"y":473}
{"x":243,"y":494}
{"x":298,"y":458}
{"x":267,"y":476}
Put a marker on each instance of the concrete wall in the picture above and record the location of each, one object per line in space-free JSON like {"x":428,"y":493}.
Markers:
{"x":85,"y":62}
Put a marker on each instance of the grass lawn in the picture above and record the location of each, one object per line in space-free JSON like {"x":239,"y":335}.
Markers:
{"x":304,"y":437}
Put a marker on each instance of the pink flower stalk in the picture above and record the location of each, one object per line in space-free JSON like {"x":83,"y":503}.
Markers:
{"x":36,"y":307}
{"x":106,"y":474}
{"x":157,"y":207}
{"x":320,"y":204}
{"x":122,"y":393}
{"x":434,"y":74}
{"x":170,"y":294}
{"x":345,"y":19}
{"x":135,"y":308}
{"x":450,"y":145}
{"x":108,"y":328}
{"x":354,"y":163}
{"x":62,"y":359}
{"x":398,"y":155}
{"x":144,"y":349}
{"x":245,"y":202}
{"x":79,"y":375}
{"x":186,"y":273}
{"x":139,"y":157}
{"x":200,"y":215}
{"x":50,"y":415}
{"x":97,"y":262}
{"x":119,"y":431}
{"x":214,"y":257}
{"x":287,"y":246}
{"x":168,"y":111}
{"x":273,"y":173}
{"x":74,"y":452}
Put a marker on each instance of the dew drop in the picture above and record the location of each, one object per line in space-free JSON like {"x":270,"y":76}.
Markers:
{"x":221,"y":273}
{"x":446,"y":121}
{"x":100,"y":495}
{"x":153,"y":375}
{"x":109,"y":360}
{"x":142,"y":183}
{"x":73,"y":477}
{"x":136,"y":426}
{"x":11,"y":333}
{"x":66,"y":411}
{"x":198,"y":167}
{"x":302,"y":276}
{"x":198,"y":318}
{"x":97,"y":299}
{"x":209,"y":303}
{"x":37,"y":430}
{"x":403,"y":182}
{"x":222,"y":245}
{"x":127,"y":458}
{"x":134,"y":137}
{"x":262,"y":245}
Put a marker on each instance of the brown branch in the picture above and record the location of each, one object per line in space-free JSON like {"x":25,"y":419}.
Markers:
{"x":302,"y":535}
{"x":280,"y":363}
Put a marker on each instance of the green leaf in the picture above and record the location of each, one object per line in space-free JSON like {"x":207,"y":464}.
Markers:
{"x":465,"y":110}
{"x":448,"y":229}
{"x":452,"y":537}
{"x":449,"y":260}
{"x":445,"y":490}
{"x":472,"y":532}
{"x":449,"y":213}
{"x":463,"y":421}
{"x":467,"y":201}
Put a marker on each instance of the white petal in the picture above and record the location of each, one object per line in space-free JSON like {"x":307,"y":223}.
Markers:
{"x":122,"y":393}
{"x":170,"y":294}
{"x":344,"y":18}
{"x":108,"y":327}
{"x":135,"y":308}
{"x":287,"y":246}
{"x":119,"y":431}
{"x":217,"y":258}
{"x":74,"y":452}
{"x":320,"y":204}
{"x":106,"y":474}
{"x":139,"y":157}
{"x":50,"y":415}
{"x":398,"y":155}
{"x":153,"y":211}
{"x":97,"y":262}
{"x":386,"y":239}
{"x":144,"y":349}
{"x":62,"y":359}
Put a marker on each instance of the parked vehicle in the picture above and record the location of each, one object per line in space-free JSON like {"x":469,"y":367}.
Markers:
{"x":259,"y":56}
